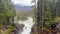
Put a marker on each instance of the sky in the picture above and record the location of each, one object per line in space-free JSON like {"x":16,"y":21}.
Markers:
{"x":23,"y":2}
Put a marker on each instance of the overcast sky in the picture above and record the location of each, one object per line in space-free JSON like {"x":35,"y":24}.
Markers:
{"x":23,"y":2}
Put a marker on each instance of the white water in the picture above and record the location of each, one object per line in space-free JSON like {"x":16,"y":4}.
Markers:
{"x":28,"y":25}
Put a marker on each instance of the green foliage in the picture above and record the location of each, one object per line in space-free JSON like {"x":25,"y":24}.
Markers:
{"x":51,"y":10}
{"x":47,"y":13}
{"x":5,"y":16}
{"x":10,"y":29}
{"x":5,"y":12}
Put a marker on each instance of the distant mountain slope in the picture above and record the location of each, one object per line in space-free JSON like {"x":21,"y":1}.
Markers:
{"x":22,"y":8}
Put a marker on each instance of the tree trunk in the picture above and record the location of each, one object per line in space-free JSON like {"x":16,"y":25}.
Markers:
{"x":40,"y":15}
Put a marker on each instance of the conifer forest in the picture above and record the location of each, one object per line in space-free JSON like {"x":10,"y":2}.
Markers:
{"x":29,"y":16}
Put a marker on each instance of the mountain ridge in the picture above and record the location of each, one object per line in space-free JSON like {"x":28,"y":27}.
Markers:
{"x":22,"y":8}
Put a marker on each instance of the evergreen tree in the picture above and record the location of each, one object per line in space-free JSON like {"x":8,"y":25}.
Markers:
{"x":5,"y":16}
{"x":40,"y":15}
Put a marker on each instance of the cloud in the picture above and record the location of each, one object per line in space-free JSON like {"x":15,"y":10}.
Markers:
{"x":23,"y":2}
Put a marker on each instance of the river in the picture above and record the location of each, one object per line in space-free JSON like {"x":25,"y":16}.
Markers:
{"x":28,"y":25}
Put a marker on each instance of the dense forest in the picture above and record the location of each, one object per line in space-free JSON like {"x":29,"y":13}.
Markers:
{"x":7,"y":13}
{"x":48,"y":16}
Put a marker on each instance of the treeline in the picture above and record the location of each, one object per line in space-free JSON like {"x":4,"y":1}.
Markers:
{"x":22,"y":15}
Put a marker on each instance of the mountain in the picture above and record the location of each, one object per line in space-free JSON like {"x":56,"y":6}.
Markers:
{"x":22,"y":8}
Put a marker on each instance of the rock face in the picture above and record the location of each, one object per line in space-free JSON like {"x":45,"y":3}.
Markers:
{"x":19,"y":29}
{"x":33,"y":30}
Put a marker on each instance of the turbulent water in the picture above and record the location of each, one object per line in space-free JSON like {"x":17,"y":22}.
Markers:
{"x":28,"y":25}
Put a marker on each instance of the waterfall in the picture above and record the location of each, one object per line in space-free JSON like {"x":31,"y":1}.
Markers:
{"x":28,"y":25}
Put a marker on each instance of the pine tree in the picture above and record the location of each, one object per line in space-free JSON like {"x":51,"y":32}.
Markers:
{"x":40,"y":15}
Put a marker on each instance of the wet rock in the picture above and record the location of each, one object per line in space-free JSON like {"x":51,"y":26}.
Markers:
{"x":19,"y":29}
